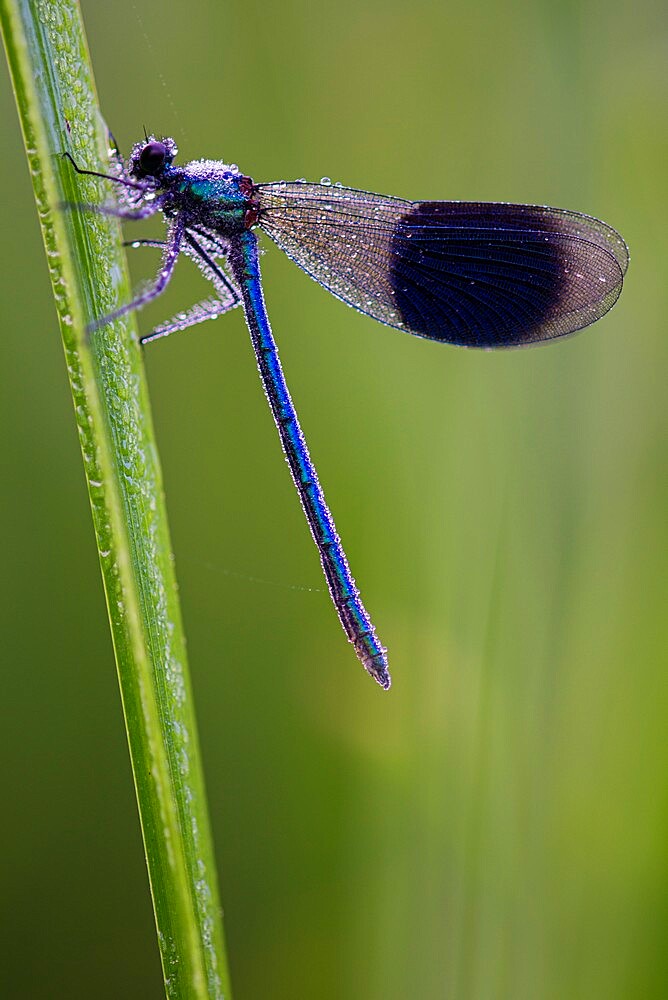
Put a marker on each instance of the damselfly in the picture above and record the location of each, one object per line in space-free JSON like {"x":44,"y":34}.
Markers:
{"x":476,"y":274}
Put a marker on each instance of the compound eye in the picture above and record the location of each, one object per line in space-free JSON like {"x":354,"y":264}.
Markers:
{"x":152,"y":158}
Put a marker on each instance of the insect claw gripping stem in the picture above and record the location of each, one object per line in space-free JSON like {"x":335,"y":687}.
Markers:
{"x":96,"y":173}
{"x":172,"y":251}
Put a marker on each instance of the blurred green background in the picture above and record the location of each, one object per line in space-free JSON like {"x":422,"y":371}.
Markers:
{"x":496,"y":826}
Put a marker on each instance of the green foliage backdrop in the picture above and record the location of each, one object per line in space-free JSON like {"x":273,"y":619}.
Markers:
{"x":496,"y":826}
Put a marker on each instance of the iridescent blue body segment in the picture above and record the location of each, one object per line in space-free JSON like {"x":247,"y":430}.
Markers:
{"x":476,"y":274}
{"x":244,"y":264}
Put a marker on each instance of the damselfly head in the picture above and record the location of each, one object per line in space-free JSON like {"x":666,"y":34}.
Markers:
{"x":150,"y":157}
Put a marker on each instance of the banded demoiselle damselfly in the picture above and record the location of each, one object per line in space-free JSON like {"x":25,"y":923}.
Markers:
{"x":476,"y":274}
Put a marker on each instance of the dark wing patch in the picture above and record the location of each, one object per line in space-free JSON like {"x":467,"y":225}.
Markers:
{"x":475,"y":274}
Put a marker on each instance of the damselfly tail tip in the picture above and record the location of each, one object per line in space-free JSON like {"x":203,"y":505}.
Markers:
{"x":385,"y":681}
{"x":378,"y":669}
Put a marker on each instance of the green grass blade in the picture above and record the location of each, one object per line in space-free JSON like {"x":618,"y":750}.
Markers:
{"x":53,"y":83}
